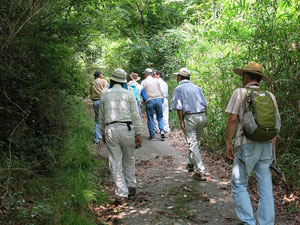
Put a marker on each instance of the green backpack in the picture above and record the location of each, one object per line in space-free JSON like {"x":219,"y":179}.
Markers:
{"x":260,"y":122}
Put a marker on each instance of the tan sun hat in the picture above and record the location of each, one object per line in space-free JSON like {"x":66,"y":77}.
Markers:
{"x":119,"y":75}
{"x":254,"y":68}
{"x":134,"y":76}
{"x":184,"y":72}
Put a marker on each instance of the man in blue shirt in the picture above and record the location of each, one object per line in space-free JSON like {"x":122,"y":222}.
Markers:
{"x":191,"y":107}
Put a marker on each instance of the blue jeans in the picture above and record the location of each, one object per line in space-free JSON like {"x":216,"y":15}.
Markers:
{"x":151,"y":106}
{"x":255,"y":156}
{"x":98,"y":135}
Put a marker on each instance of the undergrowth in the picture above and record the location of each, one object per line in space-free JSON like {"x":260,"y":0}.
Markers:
{"x":61,"y":194}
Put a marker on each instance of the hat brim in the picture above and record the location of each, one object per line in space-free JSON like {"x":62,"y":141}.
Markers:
{"x":118,"y":80}
{"x":182,"y":75}
{"x":137,"y":79}
{"x":240,"y":71}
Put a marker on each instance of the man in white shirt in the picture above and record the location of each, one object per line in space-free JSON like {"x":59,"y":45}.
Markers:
{"x":155,"y":98}
{"x":165,"y":105}
{"x":117,"y":113}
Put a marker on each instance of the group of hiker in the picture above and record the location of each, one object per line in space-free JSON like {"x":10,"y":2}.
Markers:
{"x":253,"y":116}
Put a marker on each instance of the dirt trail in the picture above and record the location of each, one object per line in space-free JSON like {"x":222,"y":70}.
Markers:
{"x":167,"y":194}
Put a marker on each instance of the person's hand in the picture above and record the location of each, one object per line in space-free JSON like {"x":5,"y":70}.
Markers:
{"x":103,"y":138}
{"x":182,"y":126}
{"x":138,"y":141}
{"x":205,"y":124}
{"x":229,"y":151}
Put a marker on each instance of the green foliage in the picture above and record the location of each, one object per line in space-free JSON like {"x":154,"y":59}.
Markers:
{"x":64,"y":195}
{"x":213,"y":38}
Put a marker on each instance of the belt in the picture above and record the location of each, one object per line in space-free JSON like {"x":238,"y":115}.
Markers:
{"x":193,"y":113}
{"x":128,"y":123}
{"x":95,"y":100}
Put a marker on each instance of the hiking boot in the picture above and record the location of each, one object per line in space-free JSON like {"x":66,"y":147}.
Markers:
{"x":162,"y":136}
{"x":151,"y":138}
{"x":120,"y":201}
{"x":190,"y":167}
{"x":132,"y":191}
{"x":199,"y":176}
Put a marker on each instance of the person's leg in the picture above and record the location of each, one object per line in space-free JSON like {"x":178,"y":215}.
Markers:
{"x":159,"y":114}
{"x":246,"y":157}
{"x":155,"y":123}
{"x":266,"y":211}
{"x":139,"y":108}
{"x":150,"y":111}
{"x":115,"y":156}
{"x":191,"y":139}
{"x":165,"y":107}
{"x":98,"y":135}
{"x":128,"y":147}
{"x":193,"y":125}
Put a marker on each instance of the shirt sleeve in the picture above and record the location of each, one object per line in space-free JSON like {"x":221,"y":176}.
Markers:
{"x":102,"y":116}
{"x":161,"y":88}
{"x":144,"y":95}
{"x":202,"y":98}
{"x":234,"y":104}
{"x":176,"y":100}
{"x":135,"y":115}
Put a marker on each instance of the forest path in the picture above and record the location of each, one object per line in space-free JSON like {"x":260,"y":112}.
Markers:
{"x":167,"y":193}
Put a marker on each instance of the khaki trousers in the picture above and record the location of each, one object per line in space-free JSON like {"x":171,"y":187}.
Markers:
{"x":121,"y":146}
{"x":194,"y":124}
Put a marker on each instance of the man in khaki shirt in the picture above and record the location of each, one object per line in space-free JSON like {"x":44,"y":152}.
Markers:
{"x":117,"y":113}
{"x":96,"y":89}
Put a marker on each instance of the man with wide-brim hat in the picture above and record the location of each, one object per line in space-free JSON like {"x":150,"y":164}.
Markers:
{"x":191,"y":107}
{"x":138,"y":90}
{"x":118,"y":116}
{"x":249,"y":154}
{"x":252,"y":68}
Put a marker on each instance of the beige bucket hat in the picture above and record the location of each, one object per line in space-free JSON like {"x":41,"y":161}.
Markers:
{"x":254,"y":68}
{"x":183,"y":72}
{"x":134,"y":76}
{"x":119,"y":75}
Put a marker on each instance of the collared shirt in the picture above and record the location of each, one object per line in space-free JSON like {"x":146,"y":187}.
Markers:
{"x":119,"y":104}
{"x":97,"y":88}
{"x":152,"y":88}
{"x":164,"y":87}
{"x":235,"y":106}
{"x":188,"y":97}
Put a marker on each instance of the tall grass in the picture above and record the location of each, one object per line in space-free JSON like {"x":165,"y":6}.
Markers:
{"x":61,"y":194}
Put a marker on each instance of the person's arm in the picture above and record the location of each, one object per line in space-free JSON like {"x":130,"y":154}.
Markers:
{"x":274,"y":147}
{"x":136,"y":119}
{"x":231,"y":128}
{"x":180,"y":116}
{"x":102,"y":120}
{"x":206,"y":117}
{"x":144,"y":95}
